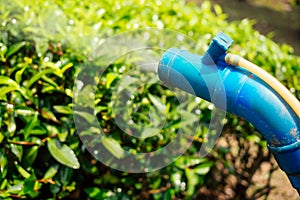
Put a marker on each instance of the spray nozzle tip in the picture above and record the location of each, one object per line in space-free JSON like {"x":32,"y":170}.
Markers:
{"x":222,"y":41}
{"x":219,"y":45}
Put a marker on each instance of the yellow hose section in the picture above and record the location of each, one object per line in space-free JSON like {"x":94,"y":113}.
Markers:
{"x":291,"y":100}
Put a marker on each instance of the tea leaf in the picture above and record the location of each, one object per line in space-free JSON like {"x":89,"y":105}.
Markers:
{"x":62,"y":153}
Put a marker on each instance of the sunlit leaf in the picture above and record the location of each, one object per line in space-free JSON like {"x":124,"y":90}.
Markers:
{"x":254,"y":138}
{"x":51,"y":172}
{"x":62,"y":153}
{"x":25,"y":111}
{"x":38,"y":130}
{"x":63,"y":109}
{"x":87,"y":116}
{"x":38,"y":76}
{"x":157,"y":102}
{"x":66,"y":67}
{"x":17,"y":150}
{"x":110,"y":77}
{"x":12,"y":85}
{"x":218,"y":9}
{"x":14,"y":48}
{"x":192,"y":181}
{"x":3,"y":165}
{"x":86,"y":96}
{"x":14,"y":189}
{"x":203,"y":169}
{"x":3,"y":50}
{"x":176,"y":179}
{"x":189,"y":161}
{"x":11,"y":125}
{"x":113,"y":147}
{"x":18,"y":75}
{"x":51,"y":82}
{"x":7,"y":89}
{"x":48,"y":114}
{"x":22,"y":171}
{"x":1,"y":136}
{"x":8,"y":81}
{"x":149,"y":132}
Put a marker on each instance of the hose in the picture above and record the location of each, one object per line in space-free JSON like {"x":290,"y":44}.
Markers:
{"x":291,"y":100}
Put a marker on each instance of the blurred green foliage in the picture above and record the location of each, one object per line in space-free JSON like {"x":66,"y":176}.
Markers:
{"x":42,"y":46}
{"x":296,"y":2}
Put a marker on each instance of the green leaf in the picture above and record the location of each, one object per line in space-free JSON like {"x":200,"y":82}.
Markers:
{"x":41,"y":44}
{"x":126,"y":81}
{"x":25,"y":111}
{"x":188,"y":118}
{"x":92,"y":119}
{"x":1,"y":136}
{"x":66,"y":67}
{"x":7,"y":89}
{"x":18,"y":75}
{"x":157,"y":102}
{"x":113,"y":147}
{"x":14,"y":48}
{"x":168,"y":194}
{"x":95,"y":193}
{"x":138,"y":185}
{"x":8,"y":81}
{"x":54,"y":188}
{"x":38,"y":76}
{"x":62,"y":153}
{"x":51,"y":82}
{"x":203,"y":168}
{"x":149,"y":132}
{"x":3,"y":165}
{"x":38,"y":130}
{"x":3,"y":50}
{"x":14,"y":189}
{"x":51,"y":172}
{"x":110,"y":77}
{"x":185,"y":161}
{"x":65,"y":175}
{"x":30,"y":125}
{"x":176,"y":179}
{"x":48,"y":114}
{"x":12,"y":85}
{"x":62,"y":135}
{"x":192,"y":181}
{"x":67,"y":190}
{"x":29,"y":186}
{"x":22,"y":171}
{"x":253,"y":138}
{"x":218,"y":9}
{"x":11,"y":125}
{"x":86,"y":96}
{"x":63,"y":109}
{"x":30,"y":155}
{"x":35,"y":140}
{"x":17,"y":150}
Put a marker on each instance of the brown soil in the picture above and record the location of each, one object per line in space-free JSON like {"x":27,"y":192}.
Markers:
{"x":283,"y":190}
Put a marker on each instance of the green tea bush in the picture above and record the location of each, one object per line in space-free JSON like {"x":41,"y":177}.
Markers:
{"x":43,"y":46}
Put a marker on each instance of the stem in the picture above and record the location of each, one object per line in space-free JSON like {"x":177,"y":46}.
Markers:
{"x":7,"y":68}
